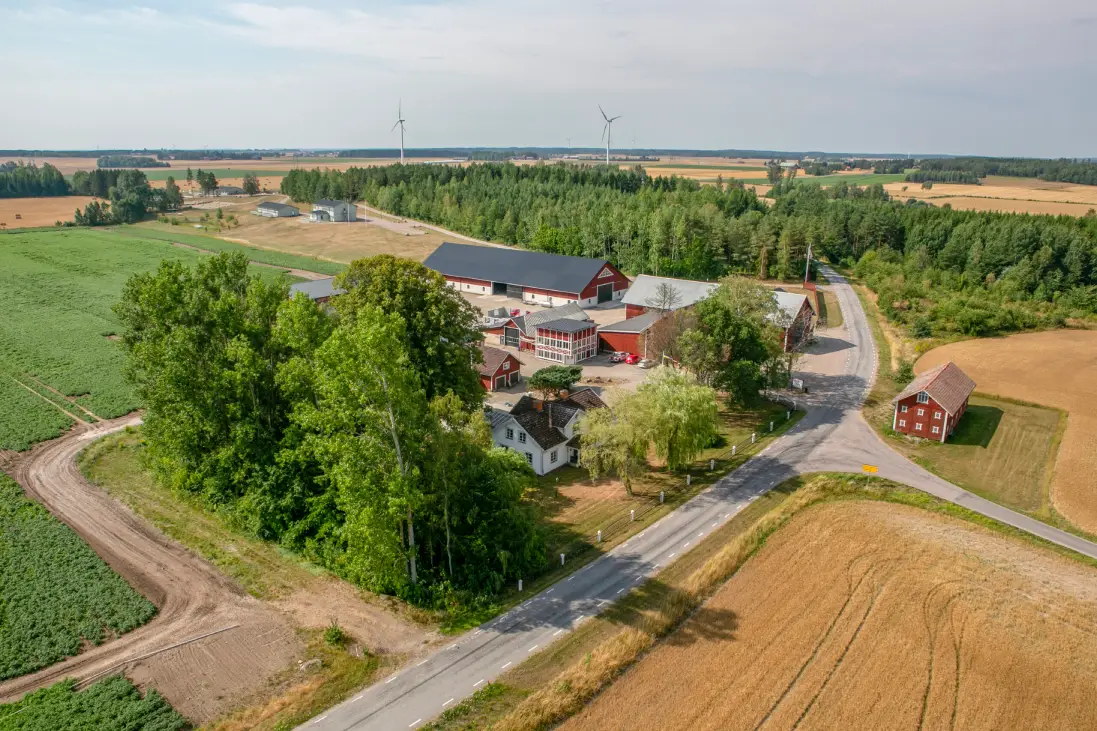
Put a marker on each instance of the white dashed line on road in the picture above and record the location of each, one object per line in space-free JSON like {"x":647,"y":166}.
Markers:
{"x":414,"y":723}
{"x":478,"y":683}
{"x":506,"y":666}
{"x":319,"y":719}
{"x":390,"y":680}
{"x":557,"y":632}
{"x":452,"y":647}
{"x":423,"y":663}
{"x":533,"y":648}
{"x":620,"y":590}
{"x":671,"y":556}
{"x":551,"y":590}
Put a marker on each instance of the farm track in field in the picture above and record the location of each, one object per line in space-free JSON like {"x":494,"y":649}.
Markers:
{"x":193,"y":598}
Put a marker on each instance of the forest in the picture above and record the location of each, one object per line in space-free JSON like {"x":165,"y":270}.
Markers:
{"x":961,"y":271}
{"x":1081,"y":172}
{"x":130,"y":161}
{"x":20,"y":180}
{"x":965,"y":177}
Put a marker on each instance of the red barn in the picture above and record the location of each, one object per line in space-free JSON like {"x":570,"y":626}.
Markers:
{"x":500,"y":369}
{"x":933,"y":403}
{"x":531,"y":276}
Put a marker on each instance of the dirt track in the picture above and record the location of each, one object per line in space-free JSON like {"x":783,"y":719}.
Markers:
{"x":201,"y":679}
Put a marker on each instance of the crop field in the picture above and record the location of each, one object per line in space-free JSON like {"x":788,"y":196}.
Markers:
{"x":1055,"y":368}
{"x":226,"y":172}
{"x":1009,"y":195}
{"x":58,"y":363}
{"x":39,"y":211}
{"x":55,"y":592}
{"x":112,"y":703}
{"x":869,"y":615}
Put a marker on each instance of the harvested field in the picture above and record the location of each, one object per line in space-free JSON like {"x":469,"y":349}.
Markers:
{"x":39,"y":211}
{"x":66,"y":165}
{"x":1009,"y":195}
{"x":1055,"y":368}
{"x":1011,"y":205}
{"x":865,"y":615}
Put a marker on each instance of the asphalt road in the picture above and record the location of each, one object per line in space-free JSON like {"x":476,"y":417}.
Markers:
{"x":832,"y":437}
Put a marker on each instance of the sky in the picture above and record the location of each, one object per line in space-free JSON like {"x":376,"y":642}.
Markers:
{"x":986,"y":77}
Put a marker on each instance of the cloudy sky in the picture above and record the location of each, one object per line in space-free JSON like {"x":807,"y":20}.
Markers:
{"x":993,"y":77}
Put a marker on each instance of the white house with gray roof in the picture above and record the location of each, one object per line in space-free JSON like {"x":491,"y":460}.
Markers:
{"x":329,"y":211}
{"x":544,"y":431}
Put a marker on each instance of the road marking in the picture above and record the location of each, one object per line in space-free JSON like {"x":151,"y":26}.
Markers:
{"x":390,"y":680}
{"x":685,"y":545}
{"x":533,"y":648}
{"x":715,"y":524}
{"x":478,"y":683}
{"x":423,"y":663}
{"x":671,"y":556}
{"x":551,"y":590}
{"x":620,"y":590}
{"x":414,"y":723}
{"x":451,"y":647}
{"x":557,"y":632}
{"x":316,"y":721}
{"x":604,"y":601}
{"x":506,"y":666}
{"x":477,"y":632}
{"x":447,"y":703}
{"x":701,"y":533}
{"x":570,"y":578}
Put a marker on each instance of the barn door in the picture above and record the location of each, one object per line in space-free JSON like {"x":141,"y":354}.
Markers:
{"x":605,"y":292}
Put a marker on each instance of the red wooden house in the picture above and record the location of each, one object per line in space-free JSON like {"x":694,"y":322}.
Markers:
{"x":933,"y":403}
{"x":500,"y":369}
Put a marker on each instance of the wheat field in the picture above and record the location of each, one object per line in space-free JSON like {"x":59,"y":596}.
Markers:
{"x":870,"y":615}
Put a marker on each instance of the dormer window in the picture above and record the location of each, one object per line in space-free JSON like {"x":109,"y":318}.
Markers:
{"x":923,"y":397}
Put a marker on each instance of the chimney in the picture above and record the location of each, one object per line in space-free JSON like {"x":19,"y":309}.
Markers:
{"x":538,"y":404}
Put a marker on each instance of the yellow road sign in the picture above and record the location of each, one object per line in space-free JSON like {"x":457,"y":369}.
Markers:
{"x":870,"y":468}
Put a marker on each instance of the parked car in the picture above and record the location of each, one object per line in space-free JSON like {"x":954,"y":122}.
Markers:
{"x":633,"y":359}
{"x":515,"y":312}
{"x":645,"y":363}
{"x":618,"y":356}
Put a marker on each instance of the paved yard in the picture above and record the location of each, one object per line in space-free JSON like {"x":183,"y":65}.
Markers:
{"x":604,"y":314}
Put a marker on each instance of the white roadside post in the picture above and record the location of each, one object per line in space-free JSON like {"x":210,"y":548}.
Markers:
{"x":661,"y":495}
{"x":771,"y":426}
{"x":519,"y":585}
{"x":711,"y":465}
{"x":561,"y":559}
{"x":599,"y":536}
{"x":733,"y":448}
{"x":753,"y":437}
{"x":631,"y":515}
{"x":689,"y":480}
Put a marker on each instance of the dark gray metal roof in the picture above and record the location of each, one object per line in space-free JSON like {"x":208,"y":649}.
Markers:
{"x":317,"y":288}
{"x":569,"y":274}
{"x":632,"y":325}
{"x":271,"y":206}
{"x":565,"y":325}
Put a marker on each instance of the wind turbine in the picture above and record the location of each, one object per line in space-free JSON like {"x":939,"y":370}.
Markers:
{"x":400,"y":123}
{"x":607,"y":131}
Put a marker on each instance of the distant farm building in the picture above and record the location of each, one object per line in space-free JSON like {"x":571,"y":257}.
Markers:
{"x":933,"y":403}
{"x":276,"y":210}
{"x":561,"y":334}
{"x":330,"y":211}
{"x":500,"y":369}
{"x":544,"y":431}
{"x":317,"y":290}
{"x":649,"y":293}
{"x":796,"y":318}
{"x":531,"y":276}
{"x":228,"y":190}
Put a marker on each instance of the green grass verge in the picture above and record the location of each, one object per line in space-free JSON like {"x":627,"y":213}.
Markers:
{"x":110,"y":704}
{"x":55,"y":592}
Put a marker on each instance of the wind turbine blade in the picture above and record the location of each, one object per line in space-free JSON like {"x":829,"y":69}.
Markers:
{"x":395,"y":125}
{"x":603,"y":111}
{"x":617,"y":117}
{"x":604,"y":128}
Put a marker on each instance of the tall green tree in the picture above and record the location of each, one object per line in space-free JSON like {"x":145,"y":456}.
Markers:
{"x":250,"y":184}
{"x":441,"y":325}
{"x":681,"y":415}
{"x":615,"y":440}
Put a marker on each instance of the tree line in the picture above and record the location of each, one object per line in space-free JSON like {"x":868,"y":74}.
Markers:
{"x":130,"y":161}
{"x":355,"y":436}
{"x":129,"y":198}
{"x":20,"y":180}
{"x":965,"y":177}
{"x":1081,"y":172}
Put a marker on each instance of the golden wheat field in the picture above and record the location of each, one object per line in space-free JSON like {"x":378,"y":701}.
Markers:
{"x":39,"y":211}
{"x":871,"y":615}
{"x":1009,"y":195}
{"x":1056,"y":368}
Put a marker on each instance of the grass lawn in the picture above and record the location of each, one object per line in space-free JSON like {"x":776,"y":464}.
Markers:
{"x":830,"y":312}
{"x":58,"y":364}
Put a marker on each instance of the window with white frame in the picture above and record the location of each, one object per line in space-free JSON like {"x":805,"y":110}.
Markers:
{"x":607,"y":272}
{"x":510,"y":434}
{"x":921,"y":412}
{"x":506,"y":365}
{"x":552,"y":456}
{"x":923,"y":397}
{"x":936,"y":430}
{"x":521,"y":437}
{"x":903,"y":409}
{"x":529,"y":458}
{"x":902,"y":422}
{"x":936,"y":414}
{"x":917,"y":427}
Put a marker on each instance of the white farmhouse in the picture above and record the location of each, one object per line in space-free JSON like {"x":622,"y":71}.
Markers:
{"x":333,"y":211}
{"x":544,"y":431}
{"x":276,"y":210}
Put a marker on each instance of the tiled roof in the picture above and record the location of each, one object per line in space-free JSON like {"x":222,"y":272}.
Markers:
{"x":557,"y":413}
{"x":493,"y":358}
{"x":946,"y":384}
{"x":587,"y":399}
{"x":537,"y":426}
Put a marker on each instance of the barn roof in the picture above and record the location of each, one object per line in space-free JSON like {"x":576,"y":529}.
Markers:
{"x":645,"y":289}
{"x":637,"y":324}
{"x":493,"y":358}
{"x":272,"y":206}
{"x":565,"y":325}
{"x":317,"y":288}
{"x":946,"y":384}
{"x":327,"y":203}
{"x":788,"y":306}
{"x":569,"y":274}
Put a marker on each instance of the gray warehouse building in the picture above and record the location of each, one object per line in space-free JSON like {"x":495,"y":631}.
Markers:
{"x":276,"y":210}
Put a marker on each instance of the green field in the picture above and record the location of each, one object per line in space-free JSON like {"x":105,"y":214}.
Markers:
{"x":55,"y":592}
{"x":866,"y":179}
{"x":111,"y":704}
{"x":670,"y":165}
{"x":180,"y":173}
{"x":57,"y":288}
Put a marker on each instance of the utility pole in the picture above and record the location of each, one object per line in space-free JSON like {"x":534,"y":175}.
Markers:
{"x":807,"y":264}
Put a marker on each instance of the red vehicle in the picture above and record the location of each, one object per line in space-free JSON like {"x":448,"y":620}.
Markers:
{"x":515,"y":313}
{"x":618,"y":356}
{"x":633,"y":359}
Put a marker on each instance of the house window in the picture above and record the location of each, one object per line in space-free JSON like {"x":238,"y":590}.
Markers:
{"x":510,"y":434}
{"x":521,"y":437}
{"x":902,"y":422}
{"x":923,"y":398}
{"x":552,"y":456}
{"x":529,"y":458}
{"x":936,"y":414}
{"x":921,"y":412}
{"x":903,"y":409}
{"x":917,"y":427}
{"x":506,"y":365}
{"x":936,"y":430}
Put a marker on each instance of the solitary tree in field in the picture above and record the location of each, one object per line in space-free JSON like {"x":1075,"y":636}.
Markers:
{"x":251,"y":183}
{"x":190,"y":176}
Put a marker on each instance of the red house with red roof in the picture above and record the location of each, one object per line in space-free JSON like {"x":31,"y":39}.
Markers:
{"x":933,"y":403}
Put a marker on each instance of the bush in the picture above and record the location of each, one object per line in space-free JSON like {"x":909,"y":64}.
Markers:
{"x":334,"y":635}
{"x":905,"y":372}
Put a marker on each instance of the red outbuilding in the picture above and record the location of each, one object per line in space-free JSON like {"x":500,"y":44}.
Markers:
{"x":933,"y":403}
{"x":500,"y":369}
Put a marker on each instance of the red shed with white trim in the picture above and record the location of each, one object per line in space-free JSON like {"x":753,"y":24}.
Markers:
{"x":933,"y":403}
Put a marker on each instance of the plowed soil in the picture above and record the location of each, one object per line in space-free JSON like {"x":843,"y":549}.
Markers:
{"x":1056,"y":368}
{"x":862,"y":615}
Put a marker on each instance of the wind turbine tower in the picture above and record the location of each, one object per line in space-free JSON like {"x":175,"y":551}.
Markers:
{"x":607,"y":131}
{"x":400,"y":123}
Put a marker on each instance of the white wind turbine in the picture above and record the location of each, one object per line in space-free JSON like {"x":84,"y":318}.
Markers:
{"x":400,"y":123}
{"x":607,"y":131}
